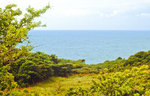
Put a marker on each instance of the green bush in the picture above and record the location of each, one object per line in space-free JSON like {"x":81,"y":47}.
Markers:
{"x":35,"y":68}
{"x":139,"y":58}
{"x":62,"y":69}
{"x":39,"y":66}
{"x":84,"y":70}
{"x":127,"y":83}
{"x":6,"y":80}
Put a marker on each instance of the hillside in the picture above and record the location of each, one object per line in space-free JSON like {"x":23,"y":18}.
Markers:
{"x":75,"y":78}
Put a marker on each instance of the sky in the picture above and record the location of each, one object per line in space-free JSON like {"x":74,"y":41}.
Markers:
{"x":90,"y":14}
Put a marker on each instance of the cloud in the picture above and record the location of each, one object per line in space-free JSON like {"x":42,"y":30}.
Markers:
{"x":110,"y":14}
{"x":71,"y":12}
{"x":102,"y":8}
{"x":105,"y":13}
{"x":144,"y":14}
{"x":107,"y":8}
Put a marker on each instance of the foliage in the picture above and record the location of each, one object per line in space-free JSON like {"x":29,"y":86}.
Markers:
{"x":25,"y":92}
{"x":56,"y":86}
{"x":134,"y":82}
{"x":38,"y":66}
{"x":110,"y":82}
{"x":6,"y":80}
{"x":110,"y":64}
{"x":62,"y":69}
{"x":85,"y":70}
{"x":139,"y":58}
{"x":14,"y":31}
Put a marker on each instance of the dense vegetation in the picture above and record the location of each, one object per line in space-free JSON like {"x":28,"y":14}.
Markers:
{"x":134,"y":82}
{"x":21,"y":68}
{"x":39,"y":66}
{"x":118,"y":80}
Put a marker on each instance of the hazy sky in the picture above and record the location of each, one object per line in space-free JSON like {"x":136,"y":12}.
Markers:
{"x":91,"y":14}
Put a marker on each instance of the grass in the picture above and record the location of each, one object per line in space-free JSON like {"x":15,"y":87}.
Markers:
{"x":57,"y":86}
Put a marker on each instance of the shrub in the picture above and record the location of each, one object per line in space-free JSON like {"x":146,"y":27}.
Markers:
{"x":6,"y":80}
{"x":126,"y":83}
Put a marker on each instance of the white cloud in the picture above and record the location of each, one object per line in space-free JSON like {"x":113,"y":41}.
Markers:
{"x":64,"y":13}
{"x":104,"y":8}
{"x":115,"y":12}
{"x":144,"y":14}
{"x":71,"y":12}
{"x":110,"y":14}
{"x":83,"y":7}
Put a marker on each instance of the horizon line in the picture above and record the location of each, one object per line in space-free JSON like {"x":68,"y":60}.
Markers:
{"x":82,"y":30}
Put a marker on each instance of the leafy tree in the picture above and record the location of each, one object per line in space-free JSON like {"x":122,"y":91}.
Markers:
{"x":36,"y":67}
{"x":14,"y":31}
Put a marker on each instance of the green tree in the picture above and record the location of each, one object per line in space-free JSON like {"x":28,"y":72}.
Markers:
{"x":35,"y":68}
{"x":14,"y":31}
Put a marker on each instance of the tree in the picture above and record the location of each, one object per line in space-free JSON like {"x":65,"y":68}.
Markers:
{"x":14,"y":31}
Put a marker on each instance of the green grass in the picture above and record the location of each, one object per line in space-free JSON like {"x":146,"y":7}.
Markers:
{"x":57,"y":86}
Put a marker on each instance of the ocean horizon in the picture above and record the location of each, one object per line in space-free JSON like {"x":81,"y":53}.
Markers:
{"x":95,"y":46}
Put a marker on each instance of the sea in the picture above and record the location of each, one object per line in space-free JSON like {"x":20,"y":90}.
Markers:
{"x":95,"y":46}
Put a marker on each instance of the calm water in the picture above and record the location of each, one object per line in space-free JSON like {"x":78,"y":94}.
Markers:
{"x":93,"y":46}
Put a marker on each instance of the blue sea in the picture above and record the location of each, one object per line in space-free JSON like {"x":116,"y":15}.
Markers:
{"x":92,"y":45}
